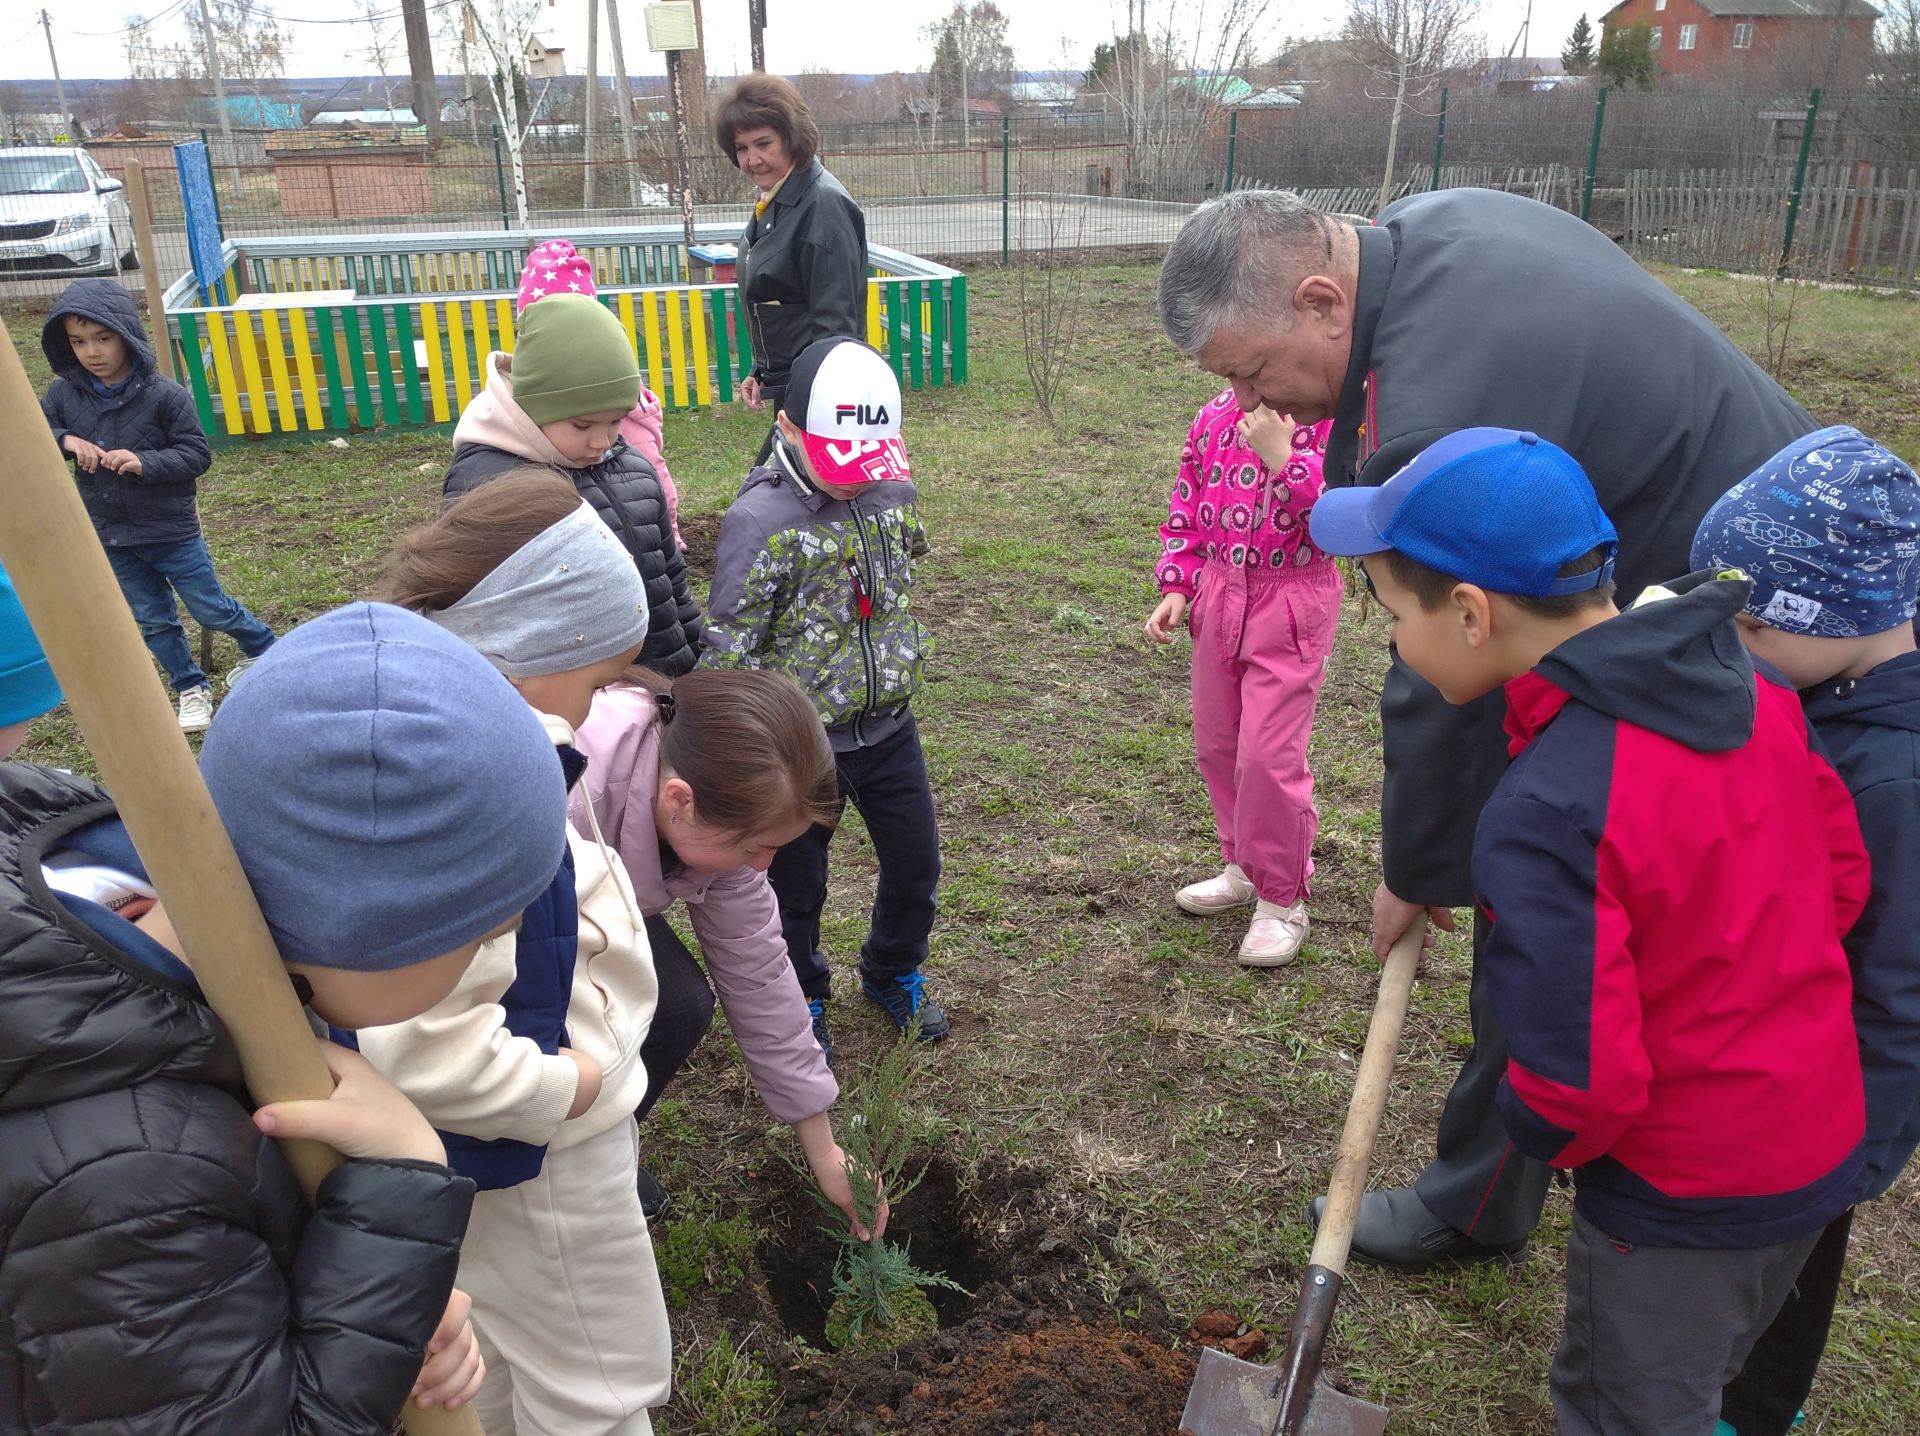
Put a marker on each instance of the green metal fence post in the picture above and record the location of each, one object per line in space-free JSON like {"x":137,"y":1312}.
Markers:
{"x":500,"y":174}
{"x":1593,"y":153}
{"x":1006,"y":190}
{"x":1799,"y":178}
{"x":1439,"y":139}
{"x":1233,"y":143}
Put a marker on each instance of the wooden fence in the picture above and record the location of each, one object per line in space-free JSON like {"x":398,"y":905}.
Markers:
{"x":1856,"y":220}
{"x":345,"y":332}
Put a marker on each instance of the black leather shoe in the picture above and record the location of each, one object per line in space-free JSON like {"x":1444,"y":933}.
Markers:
{"x":1397,"y":1230}
{"x":653,"y":1197}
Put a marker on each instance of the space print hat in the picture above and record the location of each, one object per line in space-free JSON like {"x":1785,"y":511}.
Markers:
{"x":1829,"y":531}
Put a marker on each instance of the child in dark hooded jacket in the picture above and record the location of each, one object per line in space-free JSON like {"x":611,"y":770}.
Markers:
{"x":1829,"y":528}
{"x":138,"y":451}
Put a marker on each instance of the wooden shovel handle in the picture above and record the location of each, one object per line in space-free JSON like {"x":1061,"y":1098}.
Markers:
{"x":67,"y":587}
{"x":1369,"y":1101}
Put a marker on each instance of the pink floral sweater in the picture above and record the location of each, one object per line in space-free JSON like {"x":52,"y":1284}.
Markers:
{"x":1230,"y":507}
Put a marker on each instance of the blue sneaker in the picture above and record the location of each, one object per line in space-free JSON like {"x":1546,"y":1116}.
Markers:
{"x":903,"y":999}
{"x":1723,"y":1429}
{"x":818,"y":1007}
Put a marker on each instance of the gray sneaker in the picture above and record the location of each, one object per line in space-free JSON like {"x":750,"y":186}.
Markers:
{"x":196,"y":709}
{"x":237,"y":672}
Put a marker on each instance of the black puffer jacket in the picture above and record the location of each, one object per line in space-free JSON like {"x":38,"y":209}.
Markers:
{"x":151,"y":415}
{"x":159,"y":1270}
{"x":803,"y":271}
{"x":495,"y":436}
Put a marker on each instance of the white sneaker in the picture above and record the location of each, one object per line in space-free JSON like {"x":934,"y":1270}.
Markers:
{"x":196,"y":709}
{"x":1221,"y":893}
{"x":1275,"y":936}
{"x":237,"y":672}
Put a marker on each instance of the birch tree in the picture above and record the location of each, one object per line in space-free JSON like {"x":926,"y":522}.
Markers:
{"x":502,"y":36}
{"x":1166,"y":75}
{"x":1409,"y":46}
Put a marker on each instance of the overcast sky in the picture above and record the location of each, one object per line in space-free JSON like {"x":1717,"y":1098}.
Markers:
{"x":889,"y":34}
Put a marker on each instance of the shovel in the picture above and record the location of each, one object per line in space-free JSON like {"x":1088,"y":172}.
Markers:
{"x":1231,"y":1397}
{"x":50,"y":551}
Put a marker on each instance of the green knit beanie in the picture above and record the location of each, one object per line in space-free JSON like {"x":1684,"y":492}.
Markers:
{"x":572,"y":358}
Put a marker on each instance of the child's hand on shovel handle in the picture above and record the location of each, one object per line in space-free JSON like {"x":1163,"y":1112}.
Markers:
{"x":454,"y":1369}
{"x":365,"y":1117}
{"x":1393,"y":916}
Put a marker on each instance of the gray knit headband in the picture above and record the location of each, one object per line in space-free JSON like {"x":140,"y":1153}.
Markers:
{"x":567,"y":598}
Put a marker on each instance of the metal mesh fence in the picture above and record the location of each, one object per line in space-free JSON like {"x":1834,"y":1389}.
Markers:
{"x":1689,"y":176}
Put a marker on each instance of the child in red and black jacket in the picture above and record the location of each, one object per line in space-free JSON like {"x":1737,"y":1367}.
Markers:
{"x":1667,"y":869}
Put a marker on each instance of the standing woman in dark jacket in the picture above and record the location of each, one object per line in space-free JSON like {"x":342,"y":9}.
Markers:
{"x":803,"y":256}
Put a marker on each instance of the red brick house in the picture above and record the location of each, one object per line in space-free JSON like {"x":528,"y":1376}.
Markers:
{"x":1725,"y":40}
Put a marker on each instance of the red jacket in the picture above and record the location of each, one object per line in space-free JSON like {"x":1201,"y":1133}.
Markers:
{"x":1668,"y":867}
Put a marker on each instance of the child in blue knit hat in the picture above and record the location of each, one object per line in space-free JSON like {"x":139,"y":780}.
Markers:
{"x":1829,"y":529}
{"x":393,"y":804}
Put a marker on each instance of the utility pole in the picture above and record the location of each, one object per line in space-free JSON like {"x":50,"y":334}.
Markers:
{"x":625,"y":98}
{"x":59,"y":85}
{"x":593,"y":97}
{"x":219,"y":88}
{"x":426,"y":84}
{"x":1836,"y":40}
{"x":757,"y":24}
{"x":966,"y":76}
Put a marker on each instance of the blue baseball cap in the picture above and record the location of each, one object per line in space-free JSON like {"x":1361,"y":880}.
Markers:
{"x":1495,"y":507}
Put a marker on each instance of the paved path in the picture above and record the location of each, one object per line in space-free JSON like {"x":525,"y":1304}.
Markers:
{"x":956,"y":228}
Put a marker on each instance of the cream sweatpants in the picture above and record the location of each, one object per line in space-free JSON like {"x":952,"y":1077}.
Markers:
{"x":566,"y":1298}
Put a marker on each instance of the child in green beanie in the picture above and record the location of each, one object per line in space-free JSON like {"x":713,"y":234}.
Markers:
{"x":558,"y":401}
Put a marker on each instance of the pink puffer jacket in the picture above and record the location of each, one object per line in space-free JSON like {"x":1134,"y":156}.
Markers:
{"x":734,"y":914}
{"x":1227,"y":506}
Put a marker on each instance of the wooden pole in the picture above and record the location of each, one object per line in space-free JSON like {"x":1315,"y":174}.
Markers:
{"x":587,"y":187}
{"x":50,"y":551}
{"x":141,"y":204}
{"x":676,"y":88}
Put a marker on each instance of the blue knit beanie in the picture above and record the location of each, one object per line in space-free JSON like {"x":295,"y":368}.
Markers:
{"x":27,"y":687}
{"x":390,"y":796}
{"x":1828,"y":529}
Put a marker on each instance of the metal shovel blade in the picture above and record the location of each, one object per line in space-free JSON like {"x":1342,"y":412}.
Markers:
{"x":1231,"y":1397}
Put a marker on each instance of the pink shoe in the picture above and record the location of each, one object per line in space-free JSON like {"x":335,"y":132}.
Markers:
{"x":1222,"y":893}
{"x":1275,"y":936}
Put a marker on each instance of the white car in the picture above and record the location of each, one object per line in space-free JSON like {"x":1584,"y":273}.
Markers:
{"x":60,"y":213}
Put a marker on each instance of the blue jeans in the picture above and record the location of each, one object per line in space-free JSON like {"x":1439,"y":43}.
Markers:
{"x":151,"y":574}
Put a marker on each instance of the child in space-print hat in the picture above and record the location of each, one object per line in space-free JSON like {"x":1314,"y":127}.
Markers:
{"x":1829,"y":531}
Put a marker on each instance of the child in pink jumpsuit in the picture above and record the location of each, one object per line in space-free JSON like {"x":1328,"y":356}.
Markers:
{"x":1262,"y":604}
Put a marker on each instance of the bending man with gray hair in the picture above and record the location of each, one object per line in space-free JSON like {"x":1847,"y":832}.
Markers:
{"x":1459,"y":309}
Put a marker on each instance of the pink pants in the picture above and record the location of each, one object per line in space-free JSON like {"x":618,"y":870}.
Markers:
{"x":1260,"y":645}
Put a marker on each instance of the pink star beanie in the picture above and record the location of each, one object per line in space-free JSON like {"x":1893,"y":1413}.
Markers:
{"x":555,"y":267}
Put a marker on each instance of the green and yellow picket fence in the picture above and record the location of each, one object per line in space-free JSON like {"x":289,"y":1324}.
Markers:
{"x":338,"y":333}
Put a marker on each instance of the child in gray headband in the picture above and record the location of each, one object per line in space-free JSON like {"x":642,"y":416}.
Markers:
{"x":531,"y":1069}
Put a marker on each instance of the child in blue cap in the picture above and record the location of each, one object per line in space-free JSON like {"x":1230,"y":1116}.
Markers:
{"x":27,"y":686}
{"x":1664,"y":875}
{"x":1829,"y":528}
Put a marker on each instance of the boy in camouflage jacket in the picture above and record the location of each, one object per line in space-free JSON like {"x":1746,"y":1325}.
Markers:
{"x":814,"y":578}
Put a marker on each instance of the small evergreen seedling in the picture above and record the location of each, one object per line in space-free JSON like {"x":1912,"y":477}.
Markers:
{"x":879,"y":1295}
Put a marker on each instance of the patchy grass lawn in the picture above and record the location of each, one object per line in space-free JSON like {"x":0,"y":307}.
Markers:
{"x":1170,"y":1112}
